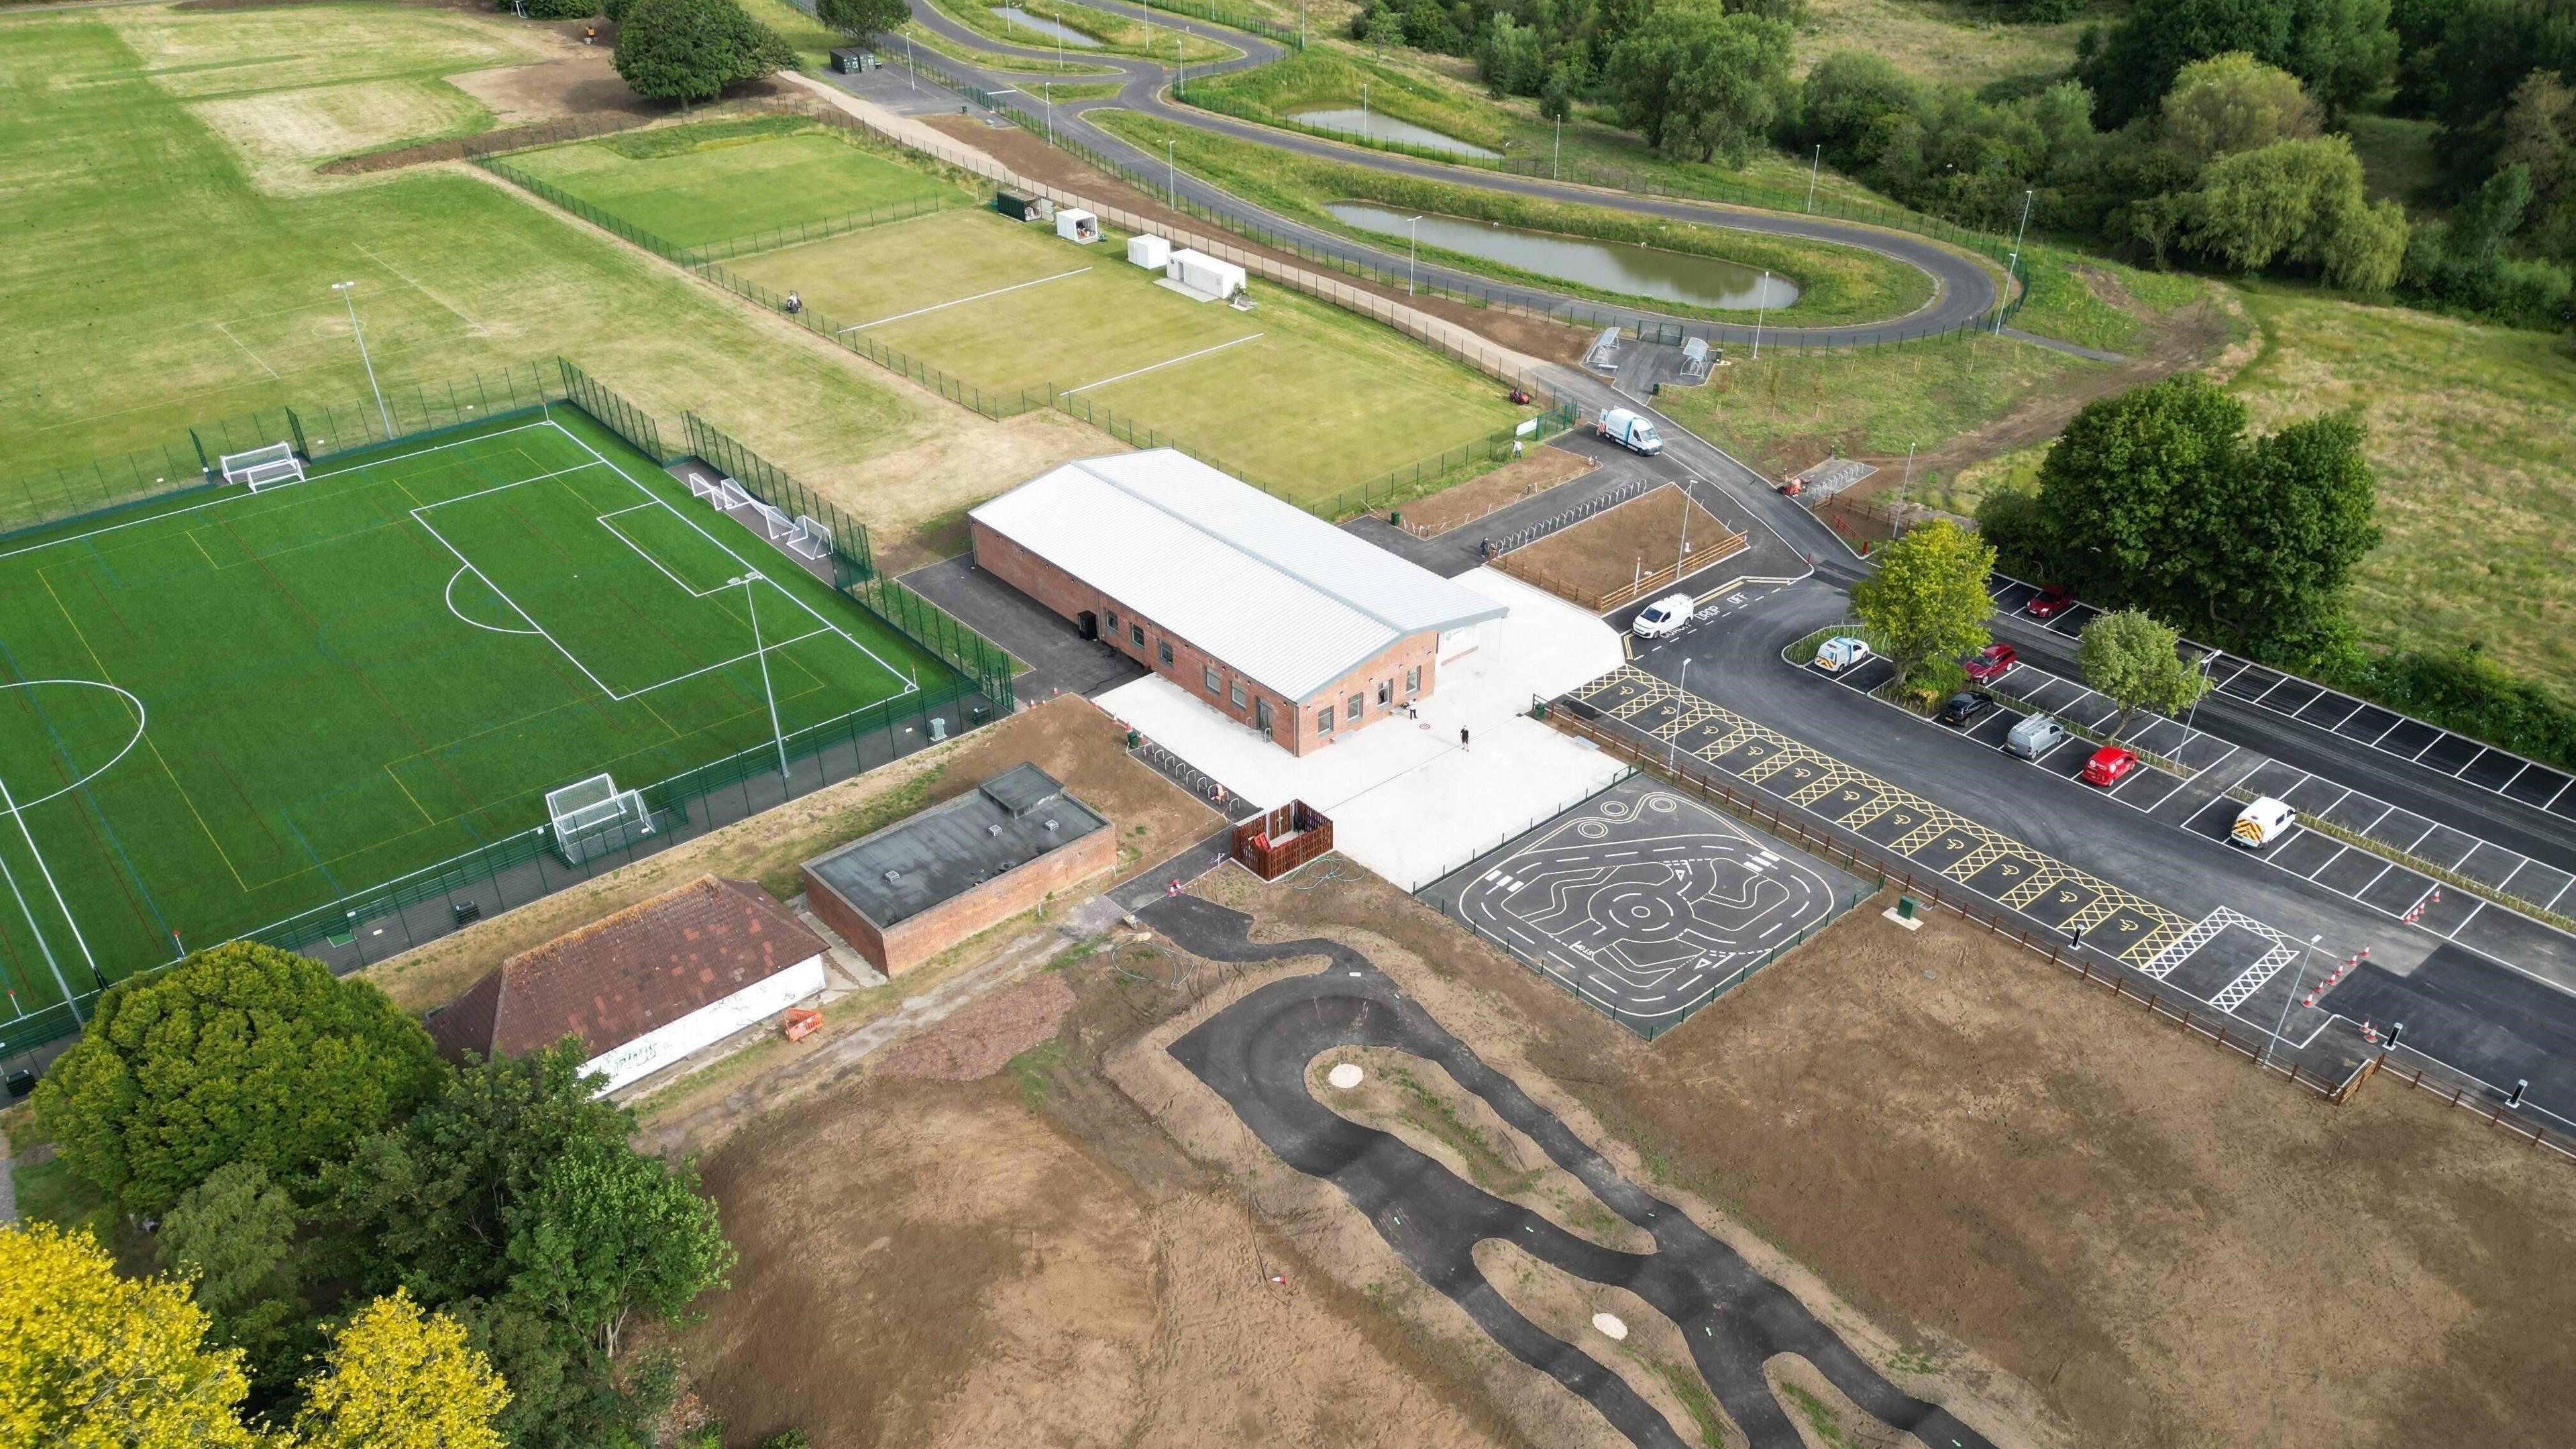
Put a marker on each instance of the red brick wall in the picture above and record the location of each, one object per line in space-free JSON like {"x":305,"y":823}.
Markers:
{"x":1292,"y":724}
{"x":909,"y":943}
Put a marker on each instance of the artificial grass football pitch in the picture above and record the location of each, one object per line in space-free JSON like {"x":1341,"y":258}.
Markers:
{"x":234,"y":706}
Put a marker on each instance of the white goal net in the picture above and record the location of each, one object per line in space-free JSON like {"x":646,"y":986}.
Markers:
{"x":593,"y":817}
{"x":264,"y":467}
{"x":811,"y":540}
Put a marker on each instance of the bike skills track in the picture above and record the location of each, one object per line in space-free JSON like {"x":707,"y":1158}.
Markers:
{"x":1254,"y":1054}
{"x":1964,"y":290}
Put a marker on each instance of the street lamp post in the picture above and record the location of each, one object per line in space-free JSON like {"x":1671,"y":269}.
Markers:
{"x":908,"y":68}
{"x":2012,"y":269}
{"x":1812,"y":168}
{"x":1049,"y":88}
{"x":1761,"y":304}
{"x":1410,"y":248}
{"x":1364,"y":110}
{"x":2296,"y":982}
{"x":348,"y":294}
{"x":1556,"y":160}
{"x":1172,"y":174}
{"x":752,"y":602}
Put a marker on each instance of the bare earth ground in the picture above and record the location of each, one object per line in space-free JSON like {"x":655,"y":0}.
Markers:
{"x":2044,"y":1196}
{"x":980,"y":1039}
{"x":1032,"y":157}
{"x":1068,"y":737}
{"x":1534,"y":472}
{"x":1611,"y":549}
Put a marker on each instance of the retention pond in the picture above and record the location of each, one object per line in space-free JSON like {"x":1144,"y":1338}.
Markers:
{"x":1353,"y":121}
{"x":1637,"y":271}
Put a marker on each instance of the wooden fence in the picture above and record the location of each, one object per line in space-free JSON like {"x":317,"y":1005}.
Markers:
{"x":1281,"y":839}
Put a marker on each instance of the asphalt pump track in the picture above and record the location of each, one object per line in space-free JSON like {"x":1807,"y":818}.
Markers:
{"x":1255,"y":1052}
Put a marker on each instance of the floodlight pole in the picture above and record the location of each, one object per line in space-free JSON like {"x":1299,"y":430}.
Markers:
{"x":42,"y":945}
{"x":2295,"y":983}
{"x":753,"y":603}
{"x":1812,"y":168}
{"x":1410,"y":248}
{"x":348,"y":294}
{"x":1761,"y":304}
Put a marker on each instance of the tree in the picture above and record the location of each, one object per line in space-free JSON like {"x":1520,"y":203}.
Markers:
{"x":1928,"y":598}
{"x":89,"y":1360}
{"x":2343,"y":49}
{"x":859,"y":19}
{"x":2232,"y":103}
{"x":691,"y":50}
{"x":1513,"y":58}
{"x":554,"y":9}
{"x":234,"y":1235}
{"x":398,"y":1378}
{"x":1698,"y":81}
{"x":500,"y":1200}
{"x":2153,"y":499}
{"x":2300,"y":202}
{"x":240,"y":1053}
{"x":1385,"y":27}
{"x":611,"y":1233}
{"x":2138,"y":664}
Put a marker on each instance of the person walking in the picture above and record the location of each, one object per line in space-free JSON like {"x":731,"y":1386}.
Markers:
{"x":795,"y":304}
{"x":1462,"y":737}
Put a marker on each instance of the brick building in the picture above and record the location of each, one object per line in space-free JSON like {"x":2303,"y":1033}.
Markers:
{"x":1262,"y":611}
{"x":644,"y":987}
{"x":921,"y":885}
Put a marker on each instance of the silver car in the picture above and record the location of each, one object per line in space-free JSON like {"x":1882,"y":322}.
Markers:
{"x":2034,"y":737}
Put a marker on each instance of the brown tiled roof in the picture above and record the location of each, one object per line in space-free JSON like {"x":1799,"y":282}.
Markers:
{"x":627,"y":974}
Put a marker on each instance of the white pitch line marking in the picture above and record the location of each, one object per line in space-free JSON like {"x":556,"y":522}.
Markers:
{"x":1167,"y":362}
{"x":962,"y":301}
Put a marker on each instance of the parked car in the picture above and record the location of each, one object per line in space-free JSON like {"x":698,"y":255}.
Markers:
{"x":2261,"y":823}
{"x":2110,"y":765}
{"x":1966,"y":708}
{"x":1841,"y":652}
{"x":2034,"y":737}
{"x":1989,"y":664}
{"x":1665,"y":617}
{"x":2050,"y":603}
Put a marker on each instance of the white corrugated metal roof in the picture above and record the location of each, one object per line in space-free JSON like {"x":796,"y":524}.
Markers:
{"x":1261,"y":584}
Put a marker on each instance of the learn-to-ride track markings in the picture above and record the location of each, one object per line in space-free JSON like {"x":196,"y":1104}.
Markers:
{"x":2124,"y":926}
{"x":1255,"y":1053}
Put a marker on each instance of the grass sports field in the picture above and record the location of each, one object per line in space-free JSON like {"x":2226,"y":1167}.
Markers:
{"x":234,"y":706}
{"x":1296,"y":393}
{"x":704,"y":183}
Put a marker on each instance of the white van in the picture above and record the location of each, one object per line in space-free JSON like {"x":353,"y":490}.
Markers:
{"x":1841,"y":652}
{"x":1629,"y":431}
{"x":1665,"y":617}
{"x":2262,"y":822}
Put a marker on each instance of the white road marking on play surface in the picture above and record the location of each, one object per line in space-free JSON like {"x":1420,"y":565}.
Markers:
{"x":1167,"y":362}
{"x":962,"y":301}
{"x":245,"y":347}
{"x":473,"y":328}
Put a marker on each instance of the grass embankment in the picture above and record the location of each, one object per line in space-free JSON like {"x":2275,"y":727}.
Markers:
{"x":1960,"y":44}
{"x":2469,"y":431}
{"x":1111,"y":34}
{"x":153,"y":282}
{"x":1837,"y":284}
{"x":717,"y":179}
{"x":1787,"y":411}
{"x":930,"y":42}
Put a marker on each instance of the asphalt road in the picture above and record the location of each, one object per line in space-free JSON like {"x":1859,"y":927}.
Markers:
{"x":1963,"y":289}
{"x":1255,"y":1052}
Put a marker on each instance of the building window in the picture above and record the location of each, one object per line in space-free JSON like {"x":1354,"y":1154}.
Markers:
{"x":1163,"y":651}
{"x":1356,"y":701}
{"x":1112,"y":617}
{"x":1137,"y":633}
{"x":1237,"y":693}
{"x":1208,"y":674}
{"x":1385,"y":693}
{"x":1261,"y":715}
{"x":1324,"y":720}
{"x":1413,"y":680}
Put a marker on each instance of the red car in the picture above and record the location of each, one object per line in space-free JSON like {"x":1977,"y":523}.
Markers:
{"x":2050,"y":603}
{"x":1989,"y":663}
{"x":2109,"y":765}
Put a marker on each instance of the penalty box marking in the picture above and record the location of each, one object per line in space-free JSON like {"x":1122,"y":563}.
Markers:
{"x":825,"y":626}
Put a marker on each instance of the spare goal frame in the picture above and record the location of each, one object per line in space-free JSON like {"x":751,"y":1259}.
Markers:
{"x":267,"y":467}
{"x":592,"y":817}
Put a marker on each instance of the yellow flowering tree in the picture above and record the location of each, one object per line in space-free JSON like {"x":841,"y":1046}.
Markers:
{"x":90,"y":1360}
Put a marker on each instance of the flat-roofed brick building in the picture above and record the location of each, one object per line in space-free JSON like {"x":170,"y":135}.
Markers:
{"x":1264,"y":612}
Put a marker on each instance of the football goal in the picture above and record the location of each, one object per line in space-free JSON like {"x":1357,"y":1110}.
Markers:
{"x":811,"y":540}
{"x":264,"y":467}
{"x":593,"y":817}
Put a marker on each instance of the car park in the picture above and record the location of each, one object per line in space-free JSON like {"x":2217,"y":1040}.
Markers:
{"x":2110,"y":765}
{"x":1967,"y":707}
{"x":1991,"y":663}
{"x":1665,"y":617}
{"x":1841,"y":652}
{"x":2034,"y":737}
{"x":2261,"y":823}
{"x":2049,"y":603}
